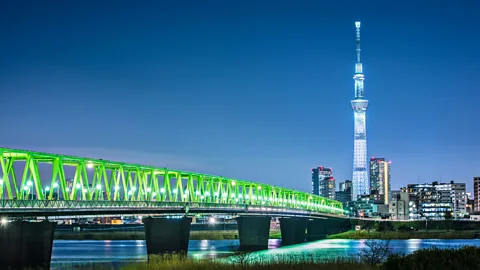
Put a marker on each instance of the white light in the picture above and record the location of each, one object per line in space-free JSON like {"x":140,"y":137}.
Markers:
{"x":77,"y":186}
{"x":134,"y":188}
{"x":216,"y":194}
{"x":117,"y":187}
{"x":357,"y":24}
{"x":139,"y":217}
{"x":233,"y":183}
{"x":55,"y":185}
{"x":1,"y":182}
{"x":211,"y":220}
{"x":4,"y":221}
{"x":29,"y":183}
{"x":47,"y":188}
{"x":99,"y":186}
{"x":130,"y":192}
{"x":175,"y":191}
{"x":187,"y":192}
{"x":197,"y":193}
{"x":67,"y":189}
{"x":25,"y":188}
{"x":149,"y":189}
{"x":207,"y":193}
{"x":162,"y":190}
{"x":84,"y":190}
{"x":89,"y":165}
{"x":259,"y":187}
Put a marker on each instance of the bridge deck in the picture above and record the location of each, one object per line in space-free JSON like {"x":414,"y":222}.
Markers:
{"x":111,"y":183}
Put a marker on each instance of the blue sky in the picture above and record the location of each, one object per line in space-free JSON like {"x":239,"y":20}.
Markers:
{"x":255,"y":90}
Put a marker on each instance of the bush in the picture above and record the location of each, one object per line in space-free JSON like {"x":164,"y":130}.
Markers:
{"x":385,"y":226}
{"x":467,"y":257}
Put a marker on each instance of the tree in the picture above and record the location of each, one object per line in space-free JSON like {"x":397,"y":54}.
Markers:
{"x":375,"y":252}
{"x":241,"y":257}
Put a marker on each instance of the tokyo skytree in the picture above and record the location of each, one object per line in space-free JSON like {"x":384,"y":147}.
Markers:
{"x":359,"y":105}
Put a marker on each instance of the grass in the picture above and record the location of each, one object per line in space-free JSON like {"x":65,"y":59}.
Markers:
{"x":140,"y":235}
{"x":402,"y":235}
{"x":275,"y":262}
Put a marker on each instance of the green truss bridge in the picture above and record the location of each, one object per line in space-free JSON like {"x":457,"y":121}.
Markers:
{"x":38,"y":186}
{"x":43,"y":184}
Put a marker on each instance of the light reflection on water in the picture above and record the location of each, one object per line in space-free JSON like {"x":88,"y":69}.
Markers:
{"x":71,"y":252}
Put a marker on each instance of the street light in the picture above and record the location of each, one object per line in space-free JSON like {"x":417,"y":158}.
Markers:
{"x":55,"y":186}
{"x":47,"y":189}
{"x":29,"y":185}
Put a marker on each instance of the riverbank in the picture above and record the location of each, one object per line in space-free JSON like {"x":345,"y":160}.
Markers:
{"x":274,"y":234}
{"x":403,"y":235}
{"x":140,"y":235}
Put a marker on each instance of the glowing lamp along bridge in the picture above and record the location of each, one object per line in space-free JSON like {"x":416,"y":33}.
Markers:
{"x":102,"y":186}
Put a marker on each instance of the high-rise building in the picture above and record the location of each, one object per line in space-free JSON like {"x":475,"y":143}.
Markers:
{"x":380,"y":179}
{"x":476,"y":193}
{"x":399,"y":205}
{"x":323,"y":183}
{"x":458,"y":193}
{"x":344,"y":195}
{"x":359,"y":106}
{"x":437,"y":200}
{"x":345,"y":185}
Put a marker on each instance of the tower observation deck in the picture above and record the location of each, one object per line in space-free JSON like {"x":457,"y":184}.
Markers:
{"x":359,"y":105}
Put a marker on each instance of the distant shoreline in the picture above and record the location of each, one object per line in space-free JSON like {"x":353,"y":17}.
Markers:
{"x":405,"y":235}
{"x":140,"y":235}
{"x":274,"y":234}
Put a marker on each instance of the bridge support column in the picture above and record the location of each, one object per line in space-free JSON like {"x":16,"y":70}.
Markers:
{"x":293,"y":230}
{"x":318,"y":229}
{"x":26,"y":244}
{"x":167,"y":235}
{"x":253,"y":232}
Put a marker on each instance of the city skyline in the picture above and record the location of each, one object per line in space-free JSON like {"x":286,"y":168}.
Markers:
{"x":246,"y":96}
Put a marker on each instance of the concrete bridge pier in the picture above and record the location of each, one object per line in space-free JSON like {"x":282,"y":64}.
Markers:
{"x":26,"y":244}
{"x":293,"y":230}
{"x":318,"y":229}
{"x":253,"y":232}
{"x":167,"y":235}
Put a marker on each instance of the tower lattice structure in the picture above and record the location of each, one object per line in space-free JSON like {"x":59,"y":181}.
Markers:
{"x":359,"y":105}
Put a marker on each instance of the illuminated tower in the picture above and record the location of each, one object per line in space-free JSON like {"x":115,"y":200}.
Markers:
{"x":359,"y":106}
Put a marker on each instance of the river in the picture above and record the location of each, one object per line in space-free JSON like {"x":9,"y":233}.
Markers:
{"x":75,"y":252}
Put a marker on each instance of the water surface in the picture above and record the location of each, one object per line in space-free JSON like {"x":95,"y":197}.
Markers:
{"x":76,"y":252}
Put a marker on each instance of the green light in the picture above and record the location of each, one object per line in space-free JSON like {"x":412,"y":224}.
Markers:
{"x":112,"y":177}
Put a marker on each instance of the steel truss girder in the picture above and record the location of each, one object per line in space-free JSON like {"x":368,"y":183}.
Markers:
{"x":103,"y":181}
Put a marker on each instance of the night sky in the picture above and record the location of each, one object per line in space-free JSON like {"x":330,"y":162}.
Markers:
{"x":254,"y":90}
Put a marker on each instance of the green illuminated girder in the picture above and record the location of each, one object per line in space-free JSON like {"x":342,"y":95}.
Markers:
{"x":117,"y":181}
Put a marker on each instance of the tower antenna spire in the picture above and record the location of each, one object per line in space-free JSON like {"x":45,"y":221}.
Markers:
{"x":360,"y":179}
{"x":357,"y":25}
